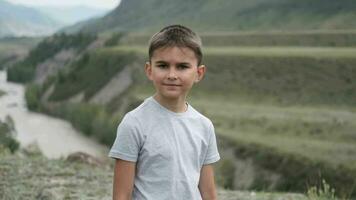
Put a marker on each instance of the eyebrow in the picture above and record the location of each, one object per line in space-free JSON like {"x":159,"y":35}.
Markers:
{"x":164,"y":62}
{"x":161,"y":62}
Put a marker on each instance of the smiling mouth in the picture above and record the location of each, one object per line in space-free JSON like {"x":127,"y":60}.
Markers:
{"x":172,"y":85}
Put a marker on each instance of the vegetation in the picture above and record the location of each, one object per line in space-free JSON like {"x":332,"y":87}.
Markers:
{"x":280,"y":108}
{"x":262,"y":39}
{"x":35,"y":177}
{"x":288,"y":107}
{"x":210,"y":16}
{"x":114,"y":39}
{"x":84,"y":76}
{"x":92,"y":120}
{"x":2,"y":93}
{"x":12,"y":49}
{"x":289,"y":140}
{"x":225,"y":173}
{"x":33,"y":96}
{"x":24,"y":71}
{"x":281,"y":76}
{"x":6,"y":138}
{"x":324,"y":192}
{"x":89,"y":74}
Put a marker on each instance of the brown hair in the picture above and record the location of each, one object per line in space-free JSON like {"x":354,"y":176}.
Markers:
{"x":176,"y":35}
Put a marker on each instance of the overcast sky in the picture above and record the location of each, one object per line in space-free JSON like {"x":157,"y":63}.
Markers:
{"x":109,"y":4}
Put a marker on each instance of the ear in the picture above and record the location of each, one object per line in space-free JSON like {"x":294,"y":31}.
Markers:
{"x":148,"y":70}
{"x":200,"y":72}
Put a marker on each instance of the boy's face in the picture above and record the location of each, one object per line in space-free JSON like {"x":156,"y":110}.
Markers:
{"x":173,"y":71}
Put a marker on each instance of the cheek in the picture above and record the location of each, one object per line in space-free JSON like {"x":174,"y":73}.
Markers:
{"x":157,"y":77}
{"x":189,"y":76}
{"x":189,"y":80}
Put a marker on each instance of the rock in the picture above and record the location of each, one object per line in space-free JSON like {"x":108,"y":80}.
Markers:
{"x":84,"y":158}
{"x":32,"y":150}
{"x":46,"y":194}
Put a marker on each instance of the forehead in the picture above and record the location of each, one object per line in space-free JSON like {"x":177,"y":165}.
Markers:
{"x":181,"y":54}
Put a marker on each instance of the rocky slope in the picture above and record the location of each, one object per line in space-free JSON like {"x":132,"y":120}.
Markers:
{"x":29,"y":175}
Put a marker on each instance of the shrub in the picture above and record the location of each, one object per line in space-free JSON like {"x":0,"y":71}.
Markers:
{"x":114,"y":39}
{"x":6,"y":139}
{"x":226,"y":173}
{"x":91,"y":120}
{"x":32,"y":96}
{"x":324,"y":192}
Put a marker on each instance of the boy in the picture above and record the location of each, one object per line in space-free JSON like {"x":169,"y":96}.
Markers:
{"x":164,"y":148}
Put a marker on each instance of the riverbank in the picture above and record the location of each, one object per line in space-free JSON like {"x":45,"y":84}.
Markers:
{"x":55,"y":137}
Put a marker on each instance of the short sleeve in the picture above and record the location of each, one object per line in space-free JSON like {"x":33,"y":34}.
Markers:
{"x":127,"y":142}
{"x":212,"y":154}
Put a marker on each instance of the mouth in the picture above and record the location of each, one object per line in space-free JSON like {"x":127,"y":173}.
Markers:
{"x":172,"y":85}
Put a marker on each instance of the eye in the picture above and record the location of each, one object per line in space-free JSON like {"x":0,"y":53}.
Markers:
{"x":161,"y":66}
{"x":182,"y":67}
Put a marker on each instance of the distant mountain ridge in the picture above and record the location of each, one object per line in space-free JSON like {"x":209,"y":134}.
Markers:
{"x":229,"y":15}
{"x":16,"y":20}
{"x":72,"y":14}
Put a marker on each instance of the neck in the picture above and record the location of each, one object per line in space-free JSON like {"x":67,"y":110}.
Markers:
{"x":175,"y":105}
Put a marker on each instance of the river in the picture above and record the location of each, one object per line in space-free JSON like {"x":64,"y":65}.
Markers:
{"x":55,"y":137}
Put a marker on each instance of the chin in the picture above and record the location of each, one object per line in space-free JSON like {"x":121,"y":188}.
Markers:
{"x":171,"y":95}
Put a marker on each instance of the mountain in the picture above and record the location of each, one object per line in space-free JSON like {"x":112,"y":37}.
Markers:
{"x":282,"y":102}
{"x":71,"y":15}
{"x":231,"y":15}
{"x":16,"y":20}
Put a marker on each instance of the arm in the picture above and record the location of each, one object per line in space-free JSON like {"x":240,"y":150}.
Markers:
{"x":207,"y":183}
{"x":124,"y":176}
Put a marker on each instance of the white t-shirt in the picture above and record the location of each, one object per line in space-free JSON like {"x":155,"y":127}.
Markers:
{"x":169,"y":150}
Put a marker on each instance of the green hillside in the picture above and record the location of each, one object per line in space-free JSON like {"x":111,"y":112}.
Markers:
{"x":284,"y":103}
{"x":232,"y":15}
{"x":24,"y":70}
{"x":326,"y":38}
{"x":289,"y":110}
{"x":27,"y":174}
{"x":280,"y":84}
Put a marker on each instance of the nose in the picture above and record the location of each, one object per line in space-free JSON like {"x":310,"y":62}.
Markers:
{"x":172,"y":74}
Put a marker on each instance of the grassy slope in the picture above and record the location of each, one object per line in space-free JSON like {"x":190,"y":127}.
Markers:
{"x":288,"y":104}
{"x":289,"y":51}
{"x":321,"y":38}
{"x":233,"y":15}
{"x":284,"y":75}
{"x":96,"y":66}
{"x":29,"y":175}
{"x":318,"y":128}
{"x":302,"y":130}
{"x":35,"y":177}
{"x":295,"y":100}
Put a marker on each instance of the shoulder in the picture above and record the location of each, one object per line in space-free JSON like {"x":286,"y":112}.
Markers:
{"x":202,"y":118}
{"x":140,"y":114}
{"x":139,"y":109}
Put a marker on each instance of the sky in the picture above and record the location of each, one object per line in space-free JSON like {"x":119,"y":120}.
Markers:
{"x":107,"y":4}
